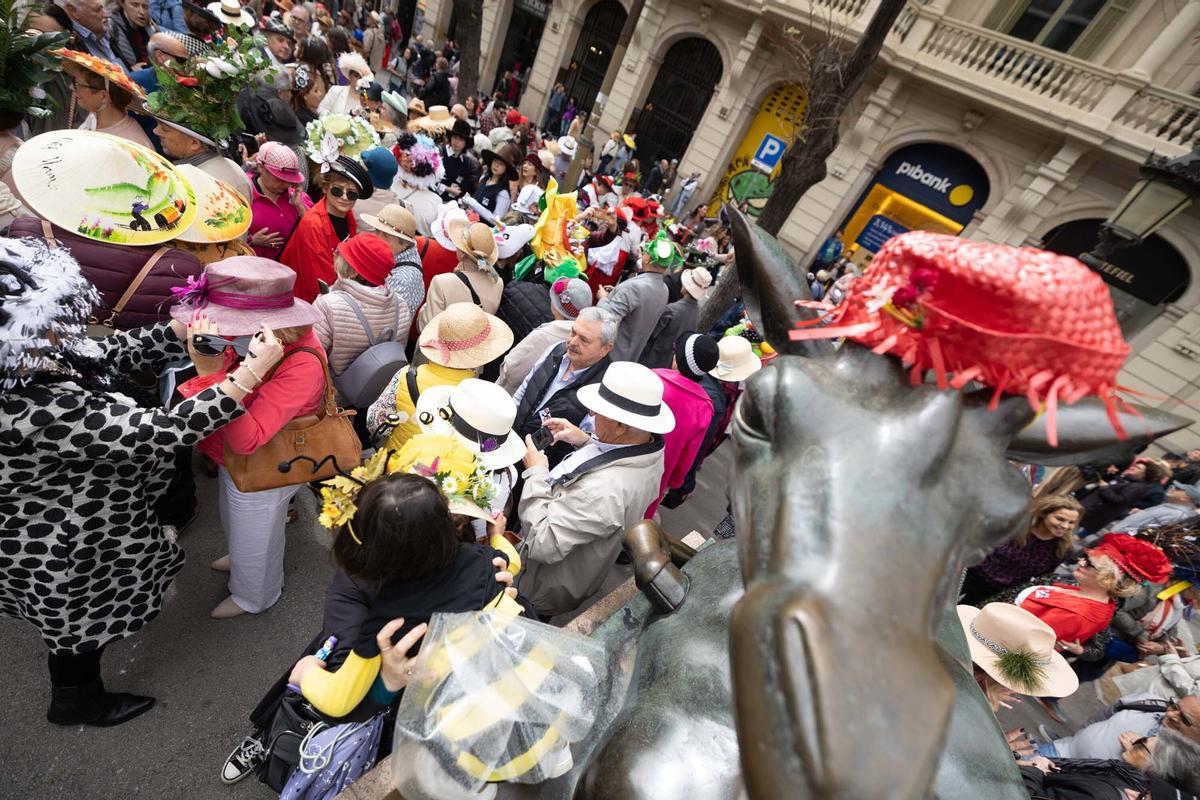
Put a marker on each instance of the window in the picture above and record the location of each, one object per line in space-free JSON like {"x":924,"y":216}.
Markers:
{"x":1056,"y":24}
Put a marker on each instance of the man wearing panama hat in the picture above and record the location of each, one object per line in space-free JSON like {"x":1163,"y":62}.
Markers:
{"x":574,"y":516}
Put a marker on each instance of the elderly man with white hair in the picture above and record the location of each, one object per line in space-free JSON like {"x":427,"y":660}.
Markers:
{"x":575,"y":515}
{"x":89,"y":24}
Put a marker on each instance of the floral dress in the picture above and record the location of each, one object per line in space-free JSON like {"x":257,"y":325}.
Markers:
{"x":82,"y":556}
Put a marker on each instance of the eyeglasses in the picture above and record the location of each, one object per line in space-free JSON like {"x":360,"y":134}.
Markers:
{"x":1174,"y":706}
{"x":339,"y":192}
{"x":1141,"y":744}
{"x":1087,"y":562}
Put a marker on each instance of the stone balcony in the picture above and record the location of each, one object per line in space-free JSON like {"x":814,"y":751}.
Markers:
{"x":1119,"y":111}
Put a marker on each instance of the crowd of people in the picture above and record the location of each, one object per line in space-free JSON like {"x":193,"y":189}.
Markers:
{"x":271,"y":218}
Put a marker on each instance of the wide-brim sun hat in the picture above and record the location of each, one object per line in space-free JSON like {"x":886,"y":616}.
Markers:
{"x":500,"y":135}
{"x":697,"y":281}
{"x":1016,"y":649}
{"x":103,"y":68}
{"x":478,"y":241}
{"x":240,"y":294}
{"x":464,"y":336}
{"x":630,"y":142}
{"x":145,"y":110}
{"x":352,"y":62}
{"x":436,"y":121}
{"x":482,"y":416}
{"x":632,"y":394}
{"x":138,"y":198}
{"x":230,"y":12}
{"x":481,"y":142}
{"x":395,"y":220}
{"x":222,"y":214}
{"x":488,"y":156}
{"x":736,"y":360}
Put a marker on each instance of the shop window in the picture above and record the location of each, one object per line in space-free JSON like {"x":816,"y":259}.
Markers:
{"x":1077,"y":27}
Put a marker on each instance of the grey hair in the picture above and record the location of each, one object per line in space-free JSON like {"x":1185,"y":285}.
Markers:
{"x":608,"y":323}
{"x":1176,"y":759}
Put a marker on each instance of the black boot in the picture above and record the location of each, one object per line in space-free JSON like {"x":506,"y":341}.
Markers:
{"x":91,"y":705}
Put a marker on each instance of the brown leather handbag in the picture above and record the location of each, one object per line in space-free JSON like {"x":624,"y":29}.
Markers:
{"x":305,"y":444}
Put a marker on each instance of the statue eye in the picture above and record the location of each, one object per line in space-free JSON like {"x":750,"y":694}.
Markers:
{"x":750,"y":416}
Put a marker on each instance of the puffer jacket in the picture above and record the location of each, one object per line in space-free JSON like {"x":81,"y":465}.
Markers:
{"x":524,"y":305}
{"x":339,"y":329}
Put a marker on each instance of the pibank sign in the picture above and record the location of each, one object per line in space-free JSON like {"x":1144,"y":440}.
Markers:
{"x":940,"y":177}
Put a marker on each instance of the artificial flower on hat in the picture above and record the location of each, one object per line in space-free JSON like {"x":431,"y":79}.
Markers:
{"x":106,"y":69}
{"x":645,"y":213}
{"x":201,"y":94}
{"x":664,"y":253}
{"x":419,"y":159}
{"x":1019,"y":320}
{"x":1137,"y":558}
{"x":27,"y":61}
{"x":336,"y":135}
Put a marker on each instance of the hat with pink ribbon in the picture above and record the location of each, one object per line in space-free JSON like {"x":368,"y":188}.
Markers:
{"x":464,"y":337}
{"x":239,"y":294}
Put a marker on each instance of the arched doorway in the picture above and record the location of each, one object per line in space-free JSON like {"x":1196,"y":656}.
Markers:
{"x":927,"y":186}
{"x":685,"y":83}
{"x":593,"y":52}
{"x":521,"y":40}
{"x":1141,"y":278}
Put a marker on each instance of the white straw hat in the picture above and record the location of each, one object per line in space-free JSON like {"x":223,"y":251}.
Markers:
{"x":696,"y":281}
{"x":482,"y":416}
{"x":632,"y":394}
{"x":1000,"y":632}
{"x":736,"y":361}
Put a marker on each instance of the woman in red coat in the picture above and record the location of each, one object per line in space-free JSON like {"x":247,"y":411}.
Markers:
{"x":327,"y":224}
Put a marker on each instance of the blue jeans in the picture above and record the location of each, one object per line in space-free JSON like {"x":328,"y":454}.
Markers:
{"x":1046,"y":749}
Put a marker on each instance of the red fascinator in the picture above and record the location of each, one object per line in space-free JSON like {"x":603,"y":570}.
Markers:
{"x":1019,"y":320}
{"x":1134,"y":557}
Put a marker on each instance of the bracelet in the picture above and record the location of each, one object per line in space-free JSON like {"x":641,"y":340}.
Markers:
{"x":237,"y":385}
{"x":257,"y":377}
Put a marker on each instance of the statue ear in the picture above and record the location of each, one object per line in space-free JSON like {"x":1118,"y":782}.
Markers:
{"x":1085,"y":434}
{"x":771,"y":284}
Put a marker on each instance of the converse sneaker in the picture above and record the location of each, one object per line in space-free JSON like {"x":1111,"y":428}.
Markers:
{"x":244,"y":759}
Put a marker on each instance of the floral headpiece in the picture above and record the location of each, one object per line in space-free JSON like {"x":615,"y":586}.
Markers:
{"x":338,"y":134}
{"x":422,"y":153}
{"x":26,"y":61}
{"x":442,"y":458}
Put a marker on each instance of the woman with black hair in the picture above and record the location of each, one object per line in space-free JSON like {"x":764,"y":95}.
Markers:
{"x":83,"y":556}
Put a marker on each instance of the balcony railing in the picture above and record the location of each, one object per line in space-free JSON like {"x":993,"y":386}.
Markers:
{"x":1163,"y":114}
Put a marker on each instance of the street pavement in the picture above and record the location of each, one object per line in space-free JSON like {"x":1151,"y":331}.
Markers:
{"x":207,"y":674}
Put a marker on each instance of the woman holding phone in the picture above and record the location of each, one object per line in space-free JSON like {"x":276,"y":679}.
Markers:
{"x":232,"y":299}
{"x":84,"y":453}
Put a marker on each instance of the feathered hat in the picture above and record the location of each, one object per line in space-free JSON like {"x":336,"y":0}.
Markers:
{"x":1138,"y":559}
{"x":1019,"y":320}
{"x":419,"y":160}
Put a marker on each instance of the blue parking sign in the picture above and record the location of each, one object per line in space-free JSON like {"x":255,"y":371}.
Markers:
{"x":770,"y":150}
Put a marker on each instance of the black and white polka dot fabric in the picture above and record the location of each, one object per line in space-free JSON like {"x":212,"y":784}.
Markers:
{"x":82,"y":556}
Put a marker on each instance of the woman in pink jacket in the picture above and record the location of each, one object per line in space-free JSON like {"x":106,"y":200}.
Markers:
{"x":695,"y":355}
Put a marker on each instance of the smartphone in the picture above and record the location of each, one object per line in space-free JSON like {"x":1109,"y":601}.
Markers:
{"x":543,"y":438}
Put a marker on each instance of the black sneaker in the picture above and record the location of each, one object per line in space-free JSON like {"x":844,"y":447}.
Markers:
{"x":244,"y":759}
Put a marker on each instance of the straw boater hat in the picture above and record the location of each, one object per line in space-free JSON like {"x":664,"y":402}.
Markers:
{"x":696,"y":281}
{"x":479,"y":242}
{"x":230,"y":12}
{"x":222,"y":214}
{"x":396,"y":220}
{"x":736,"y":360}
{"x":632,"y":394}
{"x":1017,"y":650}
{"x":482,"y":416}
{"x":464,"y":337}
{"x":239,"y":294}
{"x":436,"y":121}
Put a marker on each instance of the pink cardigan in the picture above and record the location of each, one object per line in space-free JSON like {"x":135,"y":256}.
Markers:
{"x":693,"y":414}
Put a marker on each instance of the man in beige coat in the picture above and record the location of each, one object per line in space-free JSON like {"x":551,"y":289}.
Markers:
{"x":573,"y":518}
{"x":477,"y":254}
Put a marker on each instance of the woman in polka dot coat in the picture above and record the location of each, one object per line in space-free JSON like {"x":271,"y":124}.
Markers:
{"x":82,"y":556}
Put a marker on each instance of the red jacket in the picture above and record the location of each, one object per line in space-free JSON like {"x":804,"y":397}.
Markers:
{"x":435,"y":259}
{"x":310,"y":250}
{"x":1073,"y":617}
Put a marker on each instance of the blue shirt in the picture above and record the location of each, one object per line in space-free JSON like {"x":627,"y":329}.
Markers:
{"x":99,"y":47}
{"x":168,"y":14}
{"x":146,"y":78}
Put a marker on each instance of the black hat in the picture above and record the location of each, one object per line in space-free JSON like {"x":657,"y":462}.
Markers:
{"x":375,"y":92}
{"x":272,"y":25}
{"x":353,"y":170}
{"x":508,"y":155}
{"x":462,"y":130}
{"x":264,"y":112}
{"x":197,"y":8}
{"x":696,"y":354}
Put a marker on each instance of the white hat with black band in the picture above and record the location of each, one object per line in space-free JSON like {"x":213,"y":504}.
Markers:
{"x":632,"y":394}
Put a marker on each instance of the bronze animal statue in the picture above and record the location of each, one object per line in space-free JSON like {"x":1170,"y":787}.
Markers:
{"x":830,"y":663}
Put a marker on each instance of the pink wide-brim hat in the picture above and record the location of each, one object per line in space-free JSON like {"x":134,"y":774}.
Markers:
{"x":242,"y":293}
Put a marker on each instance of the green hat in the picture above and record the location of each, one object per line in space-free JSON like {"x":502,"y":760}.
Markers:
{"x":663,"y":251}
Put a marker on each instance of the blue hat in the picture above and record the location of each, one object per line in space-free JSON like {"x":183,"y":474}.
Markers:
{"x":381,"y":165}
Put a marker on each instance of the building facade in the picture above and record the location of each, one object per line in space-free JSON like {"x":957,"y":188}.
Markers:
{"x":1001,"y":120}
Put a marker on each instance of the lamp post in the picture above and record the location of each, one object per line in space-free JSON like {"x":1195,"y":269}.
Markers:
{"x":1165,"y":187}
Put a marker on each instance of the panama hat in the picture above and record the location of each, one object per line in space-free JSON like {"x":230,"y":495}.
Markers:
{"x":735,"y":360}
{"x":482,"y":416}
{"x":479,"y":242}
{"x":138,"y":198}
{"x":696,"y":281}
{"x":1001,"y":633}
{"x":567,"y":146}
{"x":230,"y":12}
{"x":464,"y":337}
{"x":632,"y":394}
{"x":396,"y":220}
{"x":239,"y":294}
{"x":222,"y":213}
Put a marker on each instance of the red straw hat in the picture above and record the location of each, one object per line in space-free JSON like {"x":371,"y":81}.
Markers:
{"x":369,"y":255}
{"x":1019,"y":320}
{"x":1136,"y":558}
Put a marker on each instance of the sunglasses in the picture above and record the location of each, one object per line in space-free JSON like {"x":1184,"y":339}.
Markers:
{"x":1087,"y":562}
{"x":339,"y":192}
{"x":207,"y":345}
{"x":1174,"y":706}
